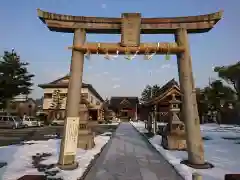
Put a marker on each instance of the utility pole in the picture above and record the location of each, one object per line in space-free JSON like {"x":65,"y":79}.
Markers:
{"x":152,"y":114}
{"x":152,"y":110}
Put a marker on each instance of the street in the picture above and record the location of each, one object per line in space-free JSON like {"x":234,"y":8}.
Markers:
{"x":17,"y":136}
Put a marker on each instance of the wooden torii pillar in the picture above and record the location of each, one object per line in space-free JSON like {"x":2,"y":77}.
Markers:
{"x":130,"y":25}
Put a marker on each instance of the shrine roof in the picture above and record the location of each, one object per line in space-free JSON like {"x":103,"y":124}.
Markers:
{"x":168,"y":85}
{"x":67,"y":23}
{"x":116,"y":101}
{"x":167,"y":89}
{"x":63,"y":83}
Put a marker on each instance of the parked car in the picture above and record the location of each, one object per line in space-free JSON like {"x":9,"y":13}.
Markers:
{"x":30,"y":122}
{"x":57,"y":122}
{"x":12,"y":122}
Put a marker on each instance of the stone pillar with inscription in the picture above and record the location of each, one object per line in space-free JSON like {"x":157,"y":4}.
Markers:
{"x":70,"y":136}
{"x":85,"y":135}
{"x":194,"y":139}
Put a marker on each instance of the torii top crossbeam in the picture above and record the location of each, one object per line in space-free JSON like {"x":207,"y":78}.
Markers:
{"x":67,"y":23}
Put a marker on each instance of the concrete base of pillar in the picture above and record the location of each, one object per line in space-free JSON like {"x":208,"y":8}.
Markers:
{"x":174,"y":142}
{"x":196,"y":176}
{"x":206,"y":165}
{"x":86,"y":141}
{"x":68,"y":167}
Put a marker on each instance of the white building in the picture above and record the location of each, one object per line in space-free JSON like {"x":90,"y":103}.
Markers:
{"x":89,"y":94}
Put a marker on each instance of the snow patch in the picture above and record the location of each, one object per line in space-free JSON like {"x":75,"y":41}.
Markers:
{"x":222,"y":153}
{"x":19,"y":158}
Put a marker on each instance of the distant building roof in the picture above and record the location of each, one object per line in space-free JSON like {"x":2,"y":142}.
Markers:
{"x":63,"y":83}
{"x":115,"y":102}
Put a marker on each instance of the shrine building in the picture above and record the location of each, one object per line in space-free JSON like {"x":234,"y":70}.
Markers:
{"x":161,"y":102}
{"x":125,"y":108}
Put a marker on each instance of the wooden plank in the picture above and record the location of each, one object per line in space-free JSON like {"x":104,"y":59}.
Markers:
{"x":112,"y":48}
{"x":82,"y":19}
{"x":232,"y":177}
{"x":167,"y":28}
{"x":130,"y":29}
{"x":174,"y":26}
{"x":141,"y":45}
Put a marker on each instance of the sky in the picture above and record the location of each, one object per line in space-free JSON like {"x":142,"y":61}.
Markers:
{"x":49,"y":57}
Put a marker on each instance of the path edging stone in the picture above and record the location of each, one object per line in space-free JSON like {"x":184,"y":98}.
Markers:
{"x":146,"y":140}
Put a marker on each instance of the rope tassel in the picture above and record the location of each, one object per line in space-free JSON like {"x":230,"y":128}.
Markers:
{"x":167,"y":56}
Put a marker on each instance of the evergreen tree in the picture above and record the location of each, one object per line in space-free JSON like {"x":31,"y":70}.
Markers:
{"x":217,"y":92}
{"x":216,"y":95}
{"x":150,"y":92}
{"x":14,"y":77}
{"x":231,"y":74}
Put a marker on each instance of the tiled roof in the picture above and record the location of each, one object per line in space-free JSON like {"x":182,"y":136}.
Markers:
{"x":168,"y":85}
{"x":59,"y":83}
{"x":164,"y":90}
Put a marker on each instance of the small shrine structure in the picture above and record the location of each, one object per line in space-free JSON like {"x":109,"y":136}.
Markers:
{"x":161,"y":103}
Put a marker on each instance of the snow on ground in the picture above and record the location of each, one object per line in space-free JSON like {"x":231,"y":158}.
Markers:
{"x":222,"y":150}
{"x":19,"y":158}
{"x":113,"y":123}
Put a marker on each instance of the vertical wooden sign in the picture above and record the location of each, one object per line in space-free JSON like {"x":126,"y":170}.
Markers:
{"x":71,"y":137}
{"x":131,"y":29}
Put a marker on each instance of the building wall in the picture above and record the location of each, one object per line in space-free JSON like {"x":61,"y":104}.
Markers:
{"x":93,"y":100}
{"x":47,"y":101}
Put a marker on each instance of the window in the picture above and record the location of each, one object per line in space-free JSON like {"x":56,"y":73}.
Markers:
{"x":48,"y":95}
{"x":84,"y":95}
{"x":63,"y":95}
{"x":97,"y":103}
{"x":91,"y":99}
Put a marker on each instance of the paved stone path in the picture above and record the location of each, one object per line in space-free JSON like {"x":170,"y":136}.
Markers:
{"x":129,"y":157}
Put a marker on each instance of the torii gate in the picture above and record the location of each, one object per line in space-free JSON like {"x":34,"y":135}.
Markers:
{"x":130,"y":26}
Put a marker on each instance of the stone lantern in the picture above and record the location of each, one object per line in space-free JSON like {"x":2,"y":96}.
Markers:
{"x":85,"y":135}
{"x":174,"y":132}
